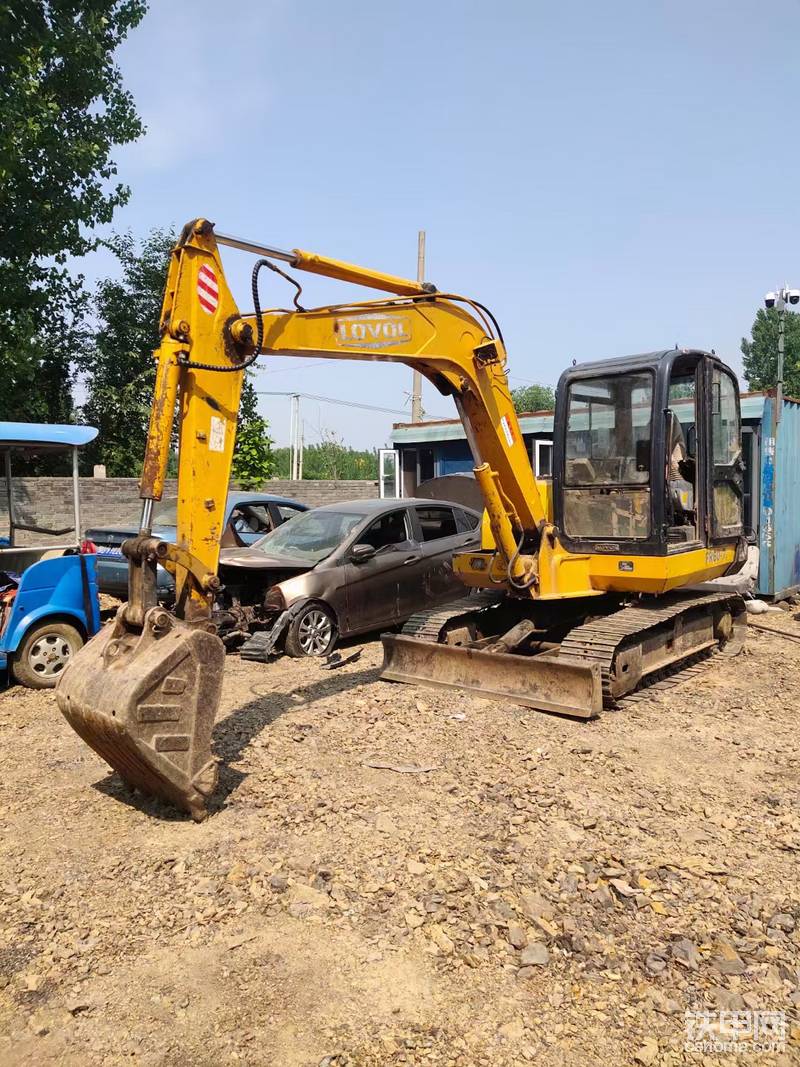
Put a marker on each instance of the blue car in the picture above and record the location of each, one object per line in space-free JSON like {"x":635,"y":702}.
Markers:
{"x":49,"y":604}
{"x":249,"y":517}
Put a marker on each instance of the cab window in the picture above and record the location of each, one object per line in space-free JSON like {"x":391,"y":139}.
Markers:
{"x":607,"y":457}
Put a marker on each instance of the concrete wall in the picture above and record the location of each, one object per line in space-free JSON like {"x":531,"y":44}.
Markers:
{"x":115,"y":501}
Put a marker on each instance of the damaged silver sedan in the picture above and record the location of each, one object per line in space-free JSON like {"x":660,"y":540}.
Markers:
{"x":341,"y":570}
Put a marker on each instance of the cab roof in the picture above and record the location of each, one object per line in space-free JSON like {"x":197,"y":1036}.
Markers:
{"x":633,"y":362}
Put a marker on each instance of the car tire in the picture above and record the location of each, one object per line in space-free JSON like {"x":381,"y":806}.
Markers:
{"x":312,"y":632}
{"x":43,"y":654}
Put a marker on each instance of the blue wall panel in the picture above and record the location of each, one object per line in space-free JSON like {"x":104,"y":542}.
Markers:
{"x":787,"y":500}
{"x":780,"y":501}
{"x":452,"y":457}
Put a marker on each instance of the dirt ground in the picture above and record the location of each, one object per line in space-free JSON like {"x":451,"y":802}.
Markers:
{"x":523,"y":888}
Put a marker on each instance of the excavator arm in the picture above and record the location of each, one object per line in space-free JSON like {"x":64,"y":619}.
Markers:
{"x":144,"y":693}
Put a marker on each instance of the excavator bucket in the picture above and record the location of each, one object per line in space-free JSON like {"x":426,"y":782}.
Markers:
{"x":543,"y":682}
{"x":145,"y":700}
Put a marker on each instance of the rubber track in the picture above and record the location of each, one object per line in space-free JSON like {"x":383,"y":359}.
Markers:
{"x":598,"y":641}
{"x":428,"y":625}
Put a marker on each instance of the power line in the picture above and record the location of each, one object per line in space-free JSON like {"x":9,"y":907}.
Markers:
{"x":335,"y":400}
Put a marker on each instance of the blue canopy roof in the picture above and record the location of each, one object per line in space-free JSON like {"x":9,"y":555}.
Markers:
{"x":41,"y":433}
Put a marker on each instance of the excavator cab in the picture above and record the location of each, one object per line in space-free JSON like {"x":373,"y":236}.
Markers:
{"x":646,"y":501}
{"x":648,"y":457}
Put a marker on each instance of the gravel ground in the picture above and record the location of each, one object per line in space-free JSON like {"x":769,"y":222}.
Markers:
{"x":519,"y":888}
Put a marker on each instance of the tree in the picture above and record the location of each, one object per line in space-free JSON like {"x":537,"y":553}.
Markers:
{"x":760,"y":352}
{"x":331,"y":459}
{"x":253,"y":462}
{"x":533,"y":398}
{"x":118,"y":361}
{"x":64,"y":110}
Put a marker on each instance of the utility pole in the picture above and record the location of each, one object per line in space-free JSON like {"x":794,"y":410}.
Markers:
{"x":779,"y":383}
{"x":779,"y":299}
{"x":295,"y":439}
{"x":416,"y":386}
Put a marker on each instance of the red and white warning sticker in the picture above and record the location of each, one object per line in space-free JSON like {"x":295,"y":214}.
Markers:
{"x":207,"y":289}
{"x":508,"y":433}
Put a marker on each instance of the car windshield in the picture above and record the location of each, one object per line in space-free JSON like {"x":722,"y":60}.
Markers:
{"x":165,"y":513}
{"x":310,"y":536}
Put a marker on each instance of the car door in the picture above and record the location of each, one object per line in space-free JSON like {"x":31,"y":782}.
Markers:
{"x":442,"y":530}
{"x":373,"y":586}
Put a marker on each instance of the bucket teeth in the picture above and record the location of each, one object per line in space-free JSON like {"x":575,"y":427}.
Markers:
{"x":146,"y":702}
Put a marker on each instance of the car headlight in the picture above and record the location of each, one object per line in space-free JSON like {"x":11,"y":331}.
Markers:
{"x":274,"y":600}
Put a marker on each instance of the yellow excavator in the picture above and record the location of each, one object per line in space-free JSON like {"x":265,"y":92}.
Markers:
{"x":570,"y":603}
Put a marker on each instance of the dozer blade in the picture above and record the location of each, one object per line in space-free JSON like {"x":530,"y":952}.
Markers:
{"x":145,"y":701}
{"x":542,"y":682}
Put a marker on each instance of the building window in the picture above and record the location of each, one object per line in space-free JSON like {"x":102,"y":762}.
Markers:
{"x":543,"y":459}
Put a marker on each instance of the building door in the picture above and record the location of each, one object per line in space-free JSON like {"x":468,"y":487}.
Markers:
{"x":389,"y":473}
{"x":427,"y":466}
{"x":408,"y":459}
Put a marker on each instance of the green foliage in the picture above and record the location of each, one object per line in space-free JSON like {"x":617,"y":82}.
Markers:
{"x":253,"y":461}
{"x":533,"y":398}
{"x":118,"y":360}
{"x":331,"y":460}
{"x":64,"y":109}
{"x":760,"y":352}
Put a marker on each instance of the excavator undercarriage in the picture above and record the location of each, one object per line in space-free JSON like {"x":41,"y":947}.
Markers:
{"x":575,"y":671}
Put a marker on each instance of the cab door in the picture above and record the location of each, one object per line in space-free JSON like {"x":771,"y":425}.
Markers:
{"x":725,"y":465}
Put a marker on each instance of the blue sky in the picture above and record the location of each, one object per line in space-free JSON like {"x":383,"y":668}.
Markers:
{"x":608,"y":178}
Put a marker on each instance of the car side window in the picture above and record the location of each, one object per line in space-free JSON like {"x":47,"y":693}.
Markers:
{"x":251,"y":519}
{"x":467,"y":522}
{"x":437,"y":523}
{"x":286,"y":511}
{"x":391,"y":529}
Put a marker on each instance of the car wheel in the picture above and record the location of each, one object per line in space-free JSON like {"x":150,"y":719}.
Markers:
{"x":312,"y":632}
{"x":44,"y":653}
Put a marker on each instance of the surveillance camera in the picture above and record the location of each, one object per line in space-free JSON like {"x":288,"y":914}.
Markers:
{"x":793,"y":296}
{"x":769,"y":300}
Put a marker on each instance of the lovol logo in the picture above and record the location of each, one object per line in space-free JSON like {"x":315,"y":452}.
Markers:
{"x":373,"y":331}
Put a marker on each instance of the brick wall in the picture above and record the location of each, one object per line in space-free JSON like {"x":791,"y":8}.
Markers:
{"x":316,"y":493}
{"x":115,"y":501}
